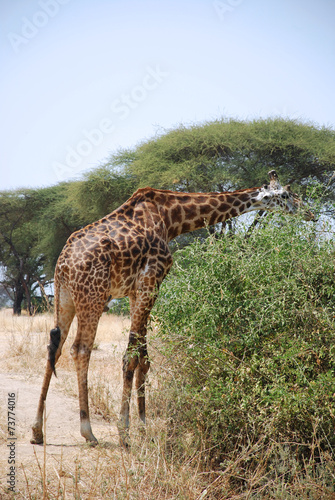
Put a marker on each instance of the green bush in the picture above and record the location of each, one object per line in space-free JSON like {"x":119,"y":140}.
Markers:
{"x":120,"y":307}
{"x":248,"y":327}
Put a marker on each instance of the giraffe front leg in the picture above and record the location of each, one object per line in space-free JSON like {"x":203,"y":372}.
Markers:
{"x":141,"y":372}
{"x":136,"y":356}
{"x":81,"y":355}
{"x":130,"y":362}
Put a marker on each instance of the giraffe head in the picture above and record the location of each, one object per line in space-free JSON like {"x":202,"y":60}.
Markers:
{"x":273,"y":197}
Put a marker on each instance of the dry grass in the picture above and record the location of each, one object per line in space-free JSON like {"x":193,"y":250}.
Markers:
{"x":154,"y":467}
{"x":77,"y":470}
{"x":23,"y":342}
{"x":24,"y":324}
{"x":109,"y":472}
{"x":26,"y":338}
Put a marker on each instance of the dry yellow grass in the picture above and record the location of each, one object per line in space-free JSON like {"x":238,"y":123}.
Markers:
{"x":25,"y":339}
{"x":66,"y":468}
{"x":153,"y":469}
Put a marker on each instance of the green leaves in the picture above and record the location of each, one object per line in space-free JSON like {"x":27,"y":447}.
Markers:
{"x":255,"y":317}
{"x":230,"y":154}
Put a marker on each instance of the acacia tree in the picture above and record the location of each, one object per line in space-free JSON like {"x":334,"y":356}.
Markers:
{"x":99,"y":192}
{"x":34,"y":225}
{"x":55,"y":220}
{"x":17,"y":238}
{"x":230,"y":154}
{"x":215,"y":156}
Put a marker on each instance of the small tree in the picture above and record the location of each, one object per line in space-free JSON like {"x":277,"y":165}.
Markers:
{"x":22,"y":263}
{"x":16,"y":236}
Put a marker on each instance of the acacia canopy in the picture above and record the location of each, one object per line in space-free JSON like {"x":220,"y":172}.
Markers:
{"x":215,"y":156}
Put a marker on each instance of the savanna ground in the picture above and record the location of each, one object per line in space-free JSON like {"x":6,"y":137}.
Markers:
{"x":66,"y":467}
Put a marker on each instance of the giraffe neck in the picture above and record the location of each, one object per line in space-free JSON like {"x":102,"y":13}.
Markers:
{"x":184,"y":212}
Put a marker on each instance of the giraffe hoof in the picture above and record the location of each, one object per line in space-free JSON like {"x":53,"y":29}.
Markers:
{"x":124,"y":439}
{"x":37,"y":438}
{"x":35,"y":441}
{"x":125,"y":443}
{"x":92,"y":442}
{"x":86,"y":432}
{"x":37,"y":435}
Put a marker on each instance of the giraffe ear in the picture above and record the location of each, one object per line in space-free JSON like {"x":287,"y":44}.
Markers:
{"x":274,"y":181}
{"x":288,"y":188}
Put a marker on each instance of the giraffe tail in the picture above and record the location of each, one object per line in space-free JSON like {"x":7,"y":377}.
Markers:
{"x":53,"y":346}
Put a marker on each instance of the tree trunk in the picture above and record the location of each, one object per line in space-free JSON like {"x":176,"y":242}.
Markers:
{"x":18,"y":298}
{"x":44,"y":295}
{"x":28,"y":296}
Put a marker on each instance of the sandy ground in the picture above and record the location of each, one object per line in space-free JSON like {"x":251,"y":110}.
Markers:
{"x":22,"y":359}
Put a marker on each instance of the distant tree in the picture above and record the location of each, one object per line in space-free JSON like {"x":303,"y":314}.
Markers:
{"x":100,"y":192}
{"x":56,"y":219}
{"x":4,"y":299}
{"x":21,"y":269}
{"x":34,"y":225}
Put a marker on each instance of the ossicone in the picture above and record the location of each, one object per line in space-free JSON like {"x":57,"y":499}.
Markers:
{"x":274,"y":180}
{"x":273,"y":175}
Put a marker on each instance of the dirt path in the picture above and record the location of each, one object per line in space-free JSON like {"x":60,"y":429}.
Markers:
{"x":22,"y":360}
{"x":62,"y":426}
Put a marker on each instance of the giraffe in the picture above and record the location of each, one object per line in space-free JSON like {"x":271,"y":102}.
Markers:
{"x":126,"y":253}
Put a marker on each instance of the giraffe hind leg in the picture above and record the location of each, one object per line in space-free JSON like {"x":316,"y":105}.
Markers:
{"x":54,"y":352}
{"x":129,"y":365}
{"x":55,"y":336}
{"x":81,"y":349}
{"x":58,"y":336}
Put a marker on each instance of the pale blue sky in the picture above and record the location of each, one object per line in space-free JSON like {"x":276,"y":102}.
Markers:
{"x":82,"y":78}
